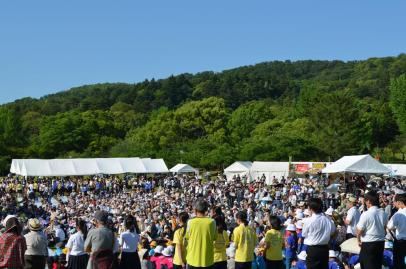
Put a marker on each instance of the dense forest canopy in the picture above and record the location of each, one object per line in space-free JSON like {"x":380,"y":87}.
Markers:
{"x":309,"y":110}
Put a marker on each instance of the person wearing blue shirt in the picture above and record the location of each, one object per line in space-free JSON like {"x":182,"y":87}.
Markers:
{"x":301,"y":260}
{"x":290,"y":245}
{"x":333,"y":262}
{"x":388,"y":255}
{"x":354,"y":259}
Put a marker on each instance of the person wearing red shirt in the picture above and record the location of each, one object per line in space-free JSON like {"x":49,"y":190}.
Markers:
{"x":12,"y":245}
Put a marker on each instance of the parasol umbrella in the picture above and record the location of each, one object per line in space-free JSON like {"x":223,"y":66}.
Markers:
{"x":351,"y":246}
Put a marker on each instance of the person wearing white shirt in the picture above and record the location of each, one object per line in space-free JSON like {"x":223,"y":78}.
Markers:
{"x":317,"y":231}
{"x":398,"y":223}
{"x":59,"y":233}
{"x":352,"y":218}
{"x":371,"y":233}
{"x":77,"y":257}
{"x":129,"y":241}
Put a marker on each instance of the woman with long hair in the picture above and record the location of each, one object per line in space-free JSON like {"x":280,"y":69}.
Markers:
{"x":274,"y":244}
{"x":221,"y":243}
{"x":77,"y":256}
{"x":129,"y":241}
{"x":179,"y":259}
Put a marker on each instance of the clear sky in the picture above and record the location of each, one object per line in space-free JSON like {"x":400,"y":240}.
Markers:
{"x":48,"y":46}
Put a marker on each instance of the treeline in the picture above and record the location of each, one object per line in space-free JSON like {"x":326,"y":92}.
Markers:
{"x":309,"y":110}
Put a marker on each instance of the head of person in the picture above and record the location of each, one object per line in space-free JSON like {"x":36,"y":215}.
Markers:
{"x":101,"y":218}
{"x":201,"y":206}
{"x":34,"y":225}
{"x":371,"y":199}
{"x":220,"y":223}
{"x":275,"y":223}
{"x":400,"y":200}
{"x":183,"y":218}
{"x":315,"y":205}
{"x":81,"y":227}
{"x":12,"y":225}
{"x":352,"y":201}
{"x":241,"y":217}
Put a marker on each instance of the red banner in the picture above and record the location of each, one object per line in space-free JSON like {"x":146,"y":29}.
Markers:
{"x":302,"y":168}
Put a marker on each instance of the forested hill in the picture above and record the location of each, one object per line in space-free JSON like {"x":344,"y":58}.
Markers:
{"x":310,"y":110}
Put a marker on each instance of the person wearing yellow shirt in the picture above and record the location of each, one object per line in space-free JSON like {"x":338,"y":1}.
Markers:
{"x":179,"y":258}
{"x":221,"y":243}
{"x":274,"y":244}
{"x":245,"y":240}
{"x":200,"y":236}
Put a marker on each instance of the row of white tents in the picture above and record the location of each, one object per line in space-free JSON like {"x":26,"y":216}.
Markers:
{"x":361,"y":164}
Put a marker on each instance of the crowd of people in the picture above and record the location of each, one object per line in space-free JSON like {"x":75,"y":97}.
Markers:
{"x":174,"y":222}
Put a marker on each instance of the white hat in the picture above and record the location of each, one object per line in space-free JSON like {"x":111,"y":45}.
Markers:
{"x":291,"y":227}
{"x":302,"y":255}
{"x":332,"y":254}
{"x":159,"y":249}
{"x":329,"y":211}
{"x":357,"y":266}
{"x":167,"y":252}
{"x":299,"y":224}
{"x":388,"y":244}
{"x":7,"y":218}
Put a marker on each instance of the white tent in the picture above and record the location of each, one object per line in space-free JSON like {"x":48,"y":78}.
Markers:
{"x":396,"y":169}
{"x":182,"y":168}
{"x":82,"y":167}
{"x":241,"y":168}
{"x":363,"y":164}
{"x":270,"y":170}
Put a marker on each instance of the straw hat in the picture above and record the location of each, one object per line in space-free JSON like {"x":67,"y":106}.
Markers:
{"x":34,"y":225}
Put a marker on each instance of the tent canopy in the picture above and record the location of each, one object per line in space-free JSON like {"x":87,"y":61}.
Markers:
{"x":182,"y":168}
{"x":364,"y":164}
{"x":241,"y":168}
{"x":397,"y":169}
{"x":270,"y":170}
{"x":82,"y":167}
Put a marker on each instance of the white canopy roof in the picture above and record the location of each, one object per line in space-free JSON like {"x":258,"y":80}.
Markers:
{"x":82,"y":167}
{"x":239,"y":166}
{"x":364,"y":164}
{"x":396,"y":169}
{"x":270,"y":170}
{"x":182,"y":168}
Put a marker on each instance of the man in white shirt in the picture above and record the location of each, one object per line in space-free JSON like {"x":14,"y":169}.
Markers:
{"x":317,"y":231}
{"x":352,"y":218}
{"x":371,"y":233}
{"x":398,"y":223}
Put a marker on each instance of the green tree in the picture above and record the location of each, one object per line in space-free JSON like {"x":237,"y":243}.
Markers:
{"x":398,"y":100}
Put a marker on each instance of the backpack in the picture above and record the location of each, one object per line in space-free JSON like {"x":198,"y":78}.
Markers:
{"x":103,"y":259}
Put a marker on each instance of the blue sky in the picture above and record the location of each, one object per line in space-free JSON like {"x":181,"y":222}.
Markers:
{"x":48,"y":46}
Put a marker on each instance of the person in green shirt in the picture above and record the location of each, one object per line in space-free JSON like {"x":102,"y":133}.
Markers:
{"x":245,"y":240}
{"x":200,"y":235}
{"x":221,"y":243}
{"x":179,"y":259}
{"x":274,"y":244}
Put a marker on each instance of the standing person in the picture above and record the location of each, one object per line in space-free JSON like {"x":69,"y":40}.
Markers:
{"x":317,"y":231}
{"x":398,"y":223}
{"x":200,"y":236}
{"x":352,"y":218}
{"x":179,"y":258}
{"x":12,"y":245}
{"x":291,"y":242}
{"x":274,"y":244}
{"x":77,"y":257}
{"x":129,"y":241}
{"x":221,"y":243}
{"x":100,"y":243}
{"x":245,"y":240}
{"x":371,"y":233}
{"x":37,"y":246}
